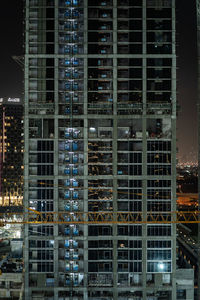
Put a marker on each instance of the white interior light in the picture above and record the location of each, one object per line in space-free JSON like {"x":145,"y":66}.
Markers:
{"x":161,"y":266}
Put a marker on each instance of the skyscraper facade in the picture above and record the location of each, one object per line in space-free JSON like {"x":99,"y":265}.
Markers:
{"x":100,"y":123}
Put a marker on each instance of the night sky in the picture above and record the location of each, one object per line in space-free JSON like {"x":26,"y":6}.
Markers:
{"x":187,"y":81}
{"x":11,"y":75}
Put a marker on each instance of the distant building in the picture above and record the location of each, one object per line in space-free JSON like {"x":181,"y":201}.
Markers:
{"x":11,"y":151}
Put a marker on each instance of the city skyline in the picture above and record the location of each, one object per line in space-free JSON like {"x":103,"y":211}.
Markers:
{"x":100,"y":116}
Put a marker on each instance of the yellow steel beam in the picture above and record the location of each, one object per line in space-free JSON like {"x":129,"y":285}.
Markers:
{"x":35,"y":217}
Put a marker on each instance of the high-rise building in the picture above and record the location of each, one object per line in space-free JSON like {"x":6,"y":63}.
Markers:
{"x":100,"y":136}
{"x":11,"y":151}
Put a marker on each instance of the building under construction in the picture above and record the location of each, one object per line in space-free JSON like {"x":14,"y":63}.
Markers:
{"x":100,"y":136}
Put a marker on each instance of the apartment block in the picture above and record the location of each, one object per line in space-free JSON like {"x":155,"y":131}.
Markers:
{"x":100,"y":136}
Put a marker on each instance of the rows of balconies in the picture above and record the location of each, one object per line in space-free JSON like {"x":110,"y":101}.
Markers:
{"x":71,"y":252}
{"x":158,"y":103}
{"x":102,"y":48}
{"x":104,"y":25}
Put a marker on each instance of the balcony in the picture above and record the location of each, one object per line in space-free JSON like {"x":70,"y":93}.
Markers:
{"x":77,"y":109}
{"x":100,"y":280}
{"x":159,"y":109}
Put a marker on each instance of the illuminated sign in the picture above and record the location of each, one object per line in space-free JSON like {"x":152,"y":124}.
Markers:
{"x":10,"y":100}
{"x":16,"y":100}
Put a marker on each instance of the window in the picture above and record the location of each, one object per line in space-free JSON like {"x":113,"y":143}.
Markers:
{"x":158,"y":230}
{"x":41,"y":244}
{"x":99,"y":230}
{"x":159,"y":267}
{"x":161,"y":254}
{"x":40,"y":230}
{"x":132,"y":230}
{"x":159,"y":244}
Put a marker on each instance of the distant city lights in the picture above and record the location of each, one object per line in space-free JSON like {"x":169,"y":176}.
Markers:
{"x":187,"y":164}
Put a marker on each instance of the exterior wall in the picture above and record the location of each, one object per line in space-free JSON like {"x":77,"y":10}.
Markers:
{"x":100,"y":123}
